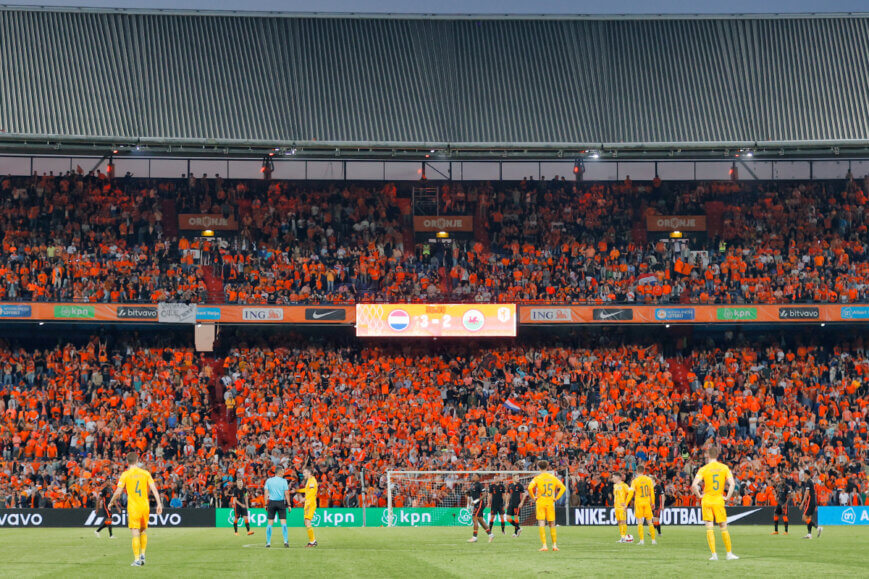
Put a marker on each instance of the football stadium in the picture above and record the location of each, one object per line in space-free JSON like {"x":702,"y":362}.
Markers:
{"x":439,"y":295}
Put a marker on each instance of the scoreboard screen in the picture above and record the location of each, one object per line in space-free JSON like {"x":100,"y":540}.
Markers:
{"x":435,"y":320}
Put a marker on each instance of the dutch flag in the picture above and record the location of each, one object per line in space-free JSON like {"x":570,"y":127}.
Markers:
{"x":648,"y":279}
{"x":511,"y":405}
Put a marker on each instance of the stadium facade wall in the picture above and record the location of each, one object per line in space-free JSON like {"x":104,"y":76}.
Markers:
{"x":154,"y":167}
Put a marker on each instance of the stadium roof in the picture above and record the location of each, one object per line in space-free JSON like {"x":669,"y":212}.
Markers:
{"x":419,"y":82}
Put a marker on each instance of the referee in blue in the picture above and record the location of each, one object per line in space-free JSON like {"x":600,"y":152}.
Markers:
{"x":277,"y":495}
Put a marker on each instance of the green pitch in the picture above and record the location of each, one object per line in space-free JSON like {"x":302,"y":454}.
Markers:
{"x":429,"y":552}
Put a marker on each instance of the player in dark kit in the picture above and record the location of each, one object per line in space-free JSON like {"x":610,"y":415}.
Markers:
{"x":783,"y":501}
{"x":240,"y":506}
{"x":810,"y":506}
{"x":102,"y":508}
{"x":658,"y":507}
{"x":514,"y":506}
{"x":496,"y":504}
{"x":477,"y":504}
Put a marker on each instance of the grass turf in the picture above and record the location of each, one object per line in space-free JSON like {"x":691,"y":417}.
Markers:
{"x":430,"y":552}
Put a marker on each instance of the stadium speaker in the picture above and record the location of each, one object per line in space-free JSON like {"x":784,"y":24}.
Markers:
{"x":204,"y":337}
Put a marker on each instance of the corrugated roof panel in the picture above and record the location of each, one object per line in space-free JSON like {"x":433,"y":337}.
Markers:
{"x":261,"y":78}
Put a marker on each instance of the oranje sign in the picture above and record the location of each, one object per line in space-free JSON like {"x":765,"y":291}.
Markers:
{"x":203,"y":221}
{"x":443,"y":223}
{"x":676,"y":223}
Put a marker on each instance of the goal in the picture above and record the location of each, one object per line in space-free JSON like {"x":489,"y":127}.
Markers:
{"x":440,"y":497}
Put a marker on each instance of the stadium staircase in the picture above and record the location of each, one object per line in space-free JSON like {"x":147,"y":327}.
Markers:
{"x":224,"y":427}
{"x":170,"y":219}
{"x":481,"y":232}
{"x":679,"y":370}
{"x":213,"y":286}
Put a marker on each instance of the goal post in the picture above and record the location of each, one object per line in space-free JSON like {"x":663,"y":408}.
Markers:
{"x":440,"y":497}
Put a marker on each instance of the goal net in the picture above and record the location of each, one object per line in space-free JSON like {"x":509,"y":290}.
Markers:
{"x":440,"y":498}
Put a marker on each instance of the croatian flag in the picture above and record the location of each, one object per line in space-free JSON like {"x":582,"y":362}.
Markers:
{"x":511,"y":405}
{"x":648,"y":279}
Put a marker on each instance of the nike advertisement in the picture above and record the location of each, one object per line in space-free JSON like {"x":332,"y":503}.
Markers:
{"x":612,"y":314}
{"x":321,"y":314}
{"x":606,"y":516}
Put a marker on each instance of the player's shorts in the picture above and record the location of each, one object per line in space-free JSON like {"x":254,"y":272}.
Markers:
{"x":713,"y":510}
{"x":779,"y":510}
{"x":497,"y":509}
{"x":643,"y":510}
{"x":809,"y":511}
{"x":278,"y":508}
{"x":108,"y":515}
{"x":545,"y":511}
{"x":240,"y":512}
{"x":310,"y":510}
{"x":478,"y":508}
{"x":513,"y":509}
{"x":621,"y":514}
{"x":137,"y":518}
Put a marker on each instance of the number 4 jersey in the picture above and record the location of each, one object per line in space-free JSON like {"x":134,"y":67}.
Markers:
{"x":135,"y":481}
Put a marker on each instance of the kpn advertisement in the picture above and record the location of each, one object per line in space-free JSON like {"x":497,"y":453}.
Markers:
{"x":372,"y":517}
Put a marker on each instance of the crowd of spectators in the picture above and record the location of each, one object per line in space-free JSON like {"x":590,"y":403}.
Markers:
{"x":94,"y":239}
{"x":87,"y":238}
{"x":592,"y":406}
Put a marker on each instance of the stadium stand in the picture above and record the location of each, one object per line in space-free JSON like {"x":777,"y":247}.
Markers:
{"x":91,"y":239}
{"x":73,"y":402}
{"x":776,"y":404}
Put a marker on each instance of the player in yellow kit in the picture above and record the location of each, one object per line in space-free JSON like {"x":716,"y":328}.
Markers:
{"x":715,"y":478}
{"x":310,"y":492}
{"x":137,"y":481}
{"x":643,"y":494}
{"x":545,"y":489}
{"x":620,"y":502}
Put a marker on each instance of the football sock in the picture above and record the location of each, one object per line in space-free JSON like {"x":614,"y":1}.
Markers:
{"x":725,"y":535}
{"x":235,"y":524}
{"x":809,"y":527}
{"x":652,"y":531}
{"x":710,"y":539}
{"x":786,"y":526}
{"x":623,"y":529}
{"x":268,"y":535}
{"x":503,"y":525}
{"x":247,"y":525}
{"x":542,"y":535}
{"x":475,"y":532}
{"x":658,"y":527}
{"x":554,"y":534}
{"x":284,"y":531}
{"x":776,"y":524}
{"x":136,"y":547}
{"x":110,"y":530}
{"x":143,"y":542}
{"x":640,"y":534}
{"x":311,"y":538}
